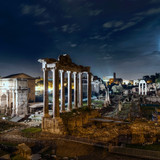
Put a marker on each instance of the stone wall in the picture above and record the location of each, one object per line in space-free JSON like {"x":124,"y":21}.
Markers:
{"x":53,"y":125}
{"x":136,"y":132}
{"x":80,"y":120}
{"x":66,"y":125}
{"x":143,"y":132}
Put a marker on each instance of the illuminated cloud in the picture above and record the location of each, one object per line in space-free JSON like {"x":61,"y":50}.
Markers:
{"x":73,"y":45}
{"x":70,"y":28}
{"x":155,"y":1}
{"x":95,"y":12}
{"x":127,"y":25}
{"x":42,"y":22}
{"x":113,"y":24}
{"x":35,"y":10}
{"x":149,"y":12}
{"x":121,"y":33}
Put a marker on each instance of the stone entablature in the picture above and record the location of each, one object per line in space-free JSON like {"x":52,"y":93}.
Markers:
{"x":59,"y":67}
{"x":64,"y":62}
{"x":13,"y":96}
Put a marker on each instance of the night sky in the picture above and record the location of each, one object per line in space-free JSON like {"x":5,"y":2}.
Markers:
{"x":121,"y":36}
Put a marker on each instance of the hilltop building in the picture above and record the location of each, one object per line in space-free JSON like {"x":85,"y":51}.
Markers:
{"x":106,"y":79}
{"x":115,"y":80}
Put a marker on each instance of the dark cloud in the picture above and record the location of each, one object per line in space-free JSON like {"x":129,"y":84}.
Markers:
{"x":110,"y":36}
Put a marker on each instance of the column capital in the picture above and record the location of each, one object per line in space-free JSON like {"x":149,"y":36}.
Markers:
{"x":45,"y":69}
{"x":69,"y":72}
{"x":55,"y":68}
{"x":75,"y":73}
{"x":61,"y":71}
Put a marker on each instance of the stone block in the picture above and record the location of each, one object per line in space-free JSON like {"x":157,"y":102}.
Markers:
{"x":24,"y":151}
{"x":53,"y":125}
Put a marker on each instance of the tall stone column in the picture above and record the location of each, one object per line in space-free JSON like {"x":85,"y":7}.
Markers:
{"x":80,"y":90}
{"x":17,"y":97}
{"x":7,"y":107}
{"x":89,"y":89}
{"x":108,"y":96}
{"x":75,"y":90}
{"x":13,"y":107}
{"x":139,"y":88}
{"x":69,"y":91}
{"x":8,"y":98}
{"x":62,"y":91}
{"x":45,"y":93}
{"x":55,"y":92}
{"x":142,"y":88}
{"x":145,"y":88}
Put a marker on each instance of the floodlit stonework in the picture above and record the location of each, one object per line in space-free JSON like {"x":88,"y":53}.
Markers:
{"x":107,"y":101}
{"x":24,"y":151}
{"x":13,"y":96}
{"x":59,"y":67}
{"x":142,"y":87}
{"x":31,"y":84}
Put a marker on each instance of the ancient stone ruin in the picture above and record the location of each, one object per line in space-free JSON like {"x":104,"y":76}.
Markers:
{"x":142,"y":87}
{"x":24,"y":151}
{"x":13,"y":96}
{"x":63,"y":64}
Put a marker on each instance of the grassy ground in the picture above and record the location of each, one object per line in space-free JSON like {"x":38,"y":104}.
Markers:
{"x":153,"y":147}
{"x":147,"y":111}
{"x":9,"y":144}
{"x":2,"y":153}
{"x":98,"y":103}
{"x":123,"y":114}
{"x":5,"y":125}
{"x":29,"y":132}
{"x":18,"y":157}
{"x":7,"y":148}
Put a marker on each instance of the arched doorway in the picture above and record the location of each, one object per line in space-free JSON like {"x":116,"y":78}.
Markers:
{"x":3,"y":103}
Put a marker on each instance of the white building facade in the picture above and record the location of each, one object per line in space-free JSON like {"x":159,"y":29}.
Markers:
{"x":13,"y":96}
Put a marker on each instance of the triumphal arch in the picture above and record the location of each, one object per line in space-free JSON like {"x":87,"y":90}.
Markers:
{"x":58,"y":68}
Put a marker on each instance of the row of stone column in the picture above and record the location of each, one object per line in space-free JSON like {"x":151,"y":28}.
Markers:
{"x":142,"y":88}
{"x":14,"y":103}
{"x":11,"y":102}
{"x":78,"y":94}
